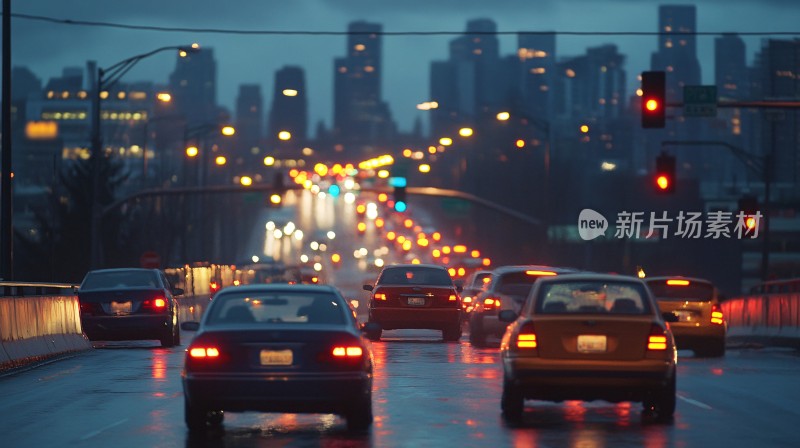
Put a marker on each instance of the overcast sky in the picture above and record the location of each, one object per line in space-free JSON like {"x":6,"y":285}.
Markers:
{"x":47,"y":48}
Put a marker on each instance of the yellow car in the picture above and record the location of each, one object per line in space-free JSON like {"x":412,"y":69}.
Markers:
{"x":588,"y":337}
{"x":701,"y":326}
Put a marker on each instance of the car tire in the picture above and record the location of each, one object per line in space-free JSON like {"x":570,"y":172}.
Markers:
{"x":662,"y":402}
{"x":452,"y":334}
{"x":168,"y":340}
{"x":199,"y":419}
{"x":359,"y":418}
{"x":374,"y":335}
{"x":476,"y":335}
{"x":512,"y":403}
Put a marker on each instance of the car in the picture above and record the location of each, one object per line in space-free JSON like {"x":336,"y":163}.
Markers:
{"x":507,"y":289}
{"x":589,"y":337}
{"x":701,"y":325}
{"x":125,"y":304}
{"x":277,"y":348}
{"x":418,"y":296}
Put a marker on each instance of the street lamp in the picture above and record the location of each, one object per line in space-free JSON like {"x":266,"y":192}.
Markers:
{"x":104,"y":79}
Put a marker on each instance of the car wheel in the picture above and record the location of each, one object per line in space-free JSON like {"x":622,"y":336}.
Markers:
{"x":374,"y":335}
{"x":512,"y":403}
{"x":662,"y":402}
{"x":359,"y":418}
{"x":476,"y":335}
{"x":452,"y":334}
{"x":169,"y":339}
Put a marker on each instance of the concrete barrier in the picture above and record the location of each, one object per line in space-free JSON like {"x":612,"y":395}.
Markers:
{"x":33,"y":329}
{"x":772,"y":319}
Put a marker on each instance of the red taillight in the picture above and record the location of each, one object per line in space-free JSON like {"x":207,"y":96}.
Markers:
{"x":379,"y":296}
{"x":160,"y":303}
{"x":204,"y":352}
{"x":491,"y":303}
{"x":452,"y":298}
{"x":214,"y":286}
{"x":352,"y":351}
{"x":526,"y":338}
{"x":467,"y":299}
{"x":657,"y":340}
{"x":155,"y":304}
{"x":716,"y":315}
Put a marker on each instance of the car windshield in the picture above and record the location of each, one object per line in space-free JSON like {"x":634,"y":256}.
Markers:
{"x":415,"y":276}
{"x":682,"y":291}
{"x":599,"y":297}
{"x":277,"y":307}
{"x":119,"y":279}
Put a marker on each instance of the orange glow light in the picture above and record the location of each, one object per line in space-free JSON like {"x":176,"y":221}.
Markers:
{"x":651,"y":105}
{"x":408,"y":223}
{"x":436,"y":236}
{"x":379,"y":222}
{"x":662,"y":182}
{"x":542,"y":273}
{"x":676,"y":282}
{"x":657,"y":343}
{"x":383,"y":197}
{"x":487,"y":262}
{"x":436,"y":253}
{"x":460,"y":249}
{"x":475,"y":253}
{"x":391,"y":236}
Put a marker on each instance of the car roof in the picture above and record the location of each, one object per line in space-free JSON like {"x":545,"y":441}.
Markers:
{"x":415,"y":265}
{"x":266,"y":287}
{"x":531,"y":267}
{"x":678,"y":277}
{"x":589,"y":276}
{"x":112,"y":270}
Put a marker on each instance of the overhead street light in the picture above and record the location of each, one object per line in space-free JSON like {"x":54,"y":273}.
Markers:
{"x":104,"y":79}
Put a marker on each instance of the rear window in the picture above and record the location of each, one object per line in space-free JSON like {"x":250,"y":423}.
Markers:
{"x":594,"y":297}
{"x":277,"y":308}
{"x":516,"y":284}
{"x":415,"y":276}
{"x":119,"y":279}
{"x":694,"y":291}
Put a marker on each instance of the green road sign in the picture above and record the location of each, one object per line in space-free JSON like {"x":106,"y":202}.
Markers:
{"x":700,"y":101}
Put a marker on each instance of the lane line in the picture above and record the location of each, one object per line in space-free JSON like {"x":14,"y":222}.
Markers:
{"x":94,"y":433}
{"x":699,"y":404}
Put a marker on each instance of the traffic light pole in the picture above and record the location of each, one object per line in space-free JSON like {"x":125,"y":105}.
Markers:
{"x":760,"y":165}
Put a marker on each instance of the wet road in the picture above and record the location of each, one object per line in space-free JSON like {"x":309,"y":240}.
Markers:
{"x":426,"y":393}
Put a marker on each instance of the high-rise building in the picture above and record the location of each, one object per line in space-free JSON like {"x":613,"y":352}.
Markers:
{"x":777,"y":65}
{"x":249,"y":119}
{"x":677,"y":49}
{"x":193,"y":86}
{"x":360,"y":115}
{"x":537,"y":56}
{"x":289,"y":111}
{"x":731,"y":75}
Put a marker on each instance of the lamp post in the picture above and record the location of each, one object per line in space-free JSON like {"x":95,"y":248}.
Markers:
{"x":104,"y":79}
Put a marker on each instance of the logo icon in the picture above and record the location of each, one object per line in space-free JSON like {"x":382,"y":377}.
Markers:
{"x":591,"y":224}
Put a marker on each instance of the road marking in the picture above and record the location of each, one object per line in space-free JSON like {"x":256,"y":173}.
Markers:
{"x":94,"y":433}
{"x":695,"y":402}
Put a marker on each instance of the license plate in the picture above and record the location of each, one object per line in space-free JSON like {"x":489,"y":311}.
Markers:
{"x":591,"y":343}
{"x":120,"y":307}
{"x":276,"y":357}
{"x":416,"y":301}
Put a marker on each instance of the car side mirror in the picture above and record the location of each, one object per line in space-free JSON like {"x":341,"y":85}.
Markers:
{"x":177,"y":291}
{"x":190,"y":326}
{"x":670,"y":317}
{"x":507,"y":316}
{"x":367,"y":287}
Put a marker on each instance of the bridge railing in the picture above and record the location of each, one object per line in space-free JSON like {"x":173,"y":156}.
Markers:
{"x":772,"y":319}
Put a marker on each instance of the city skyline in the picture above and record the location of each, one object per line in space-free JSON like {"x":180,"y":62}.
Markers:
{"x":406,"y":58}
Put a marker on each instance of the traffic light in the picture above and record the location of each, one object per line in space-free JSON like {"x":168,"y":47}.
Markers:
{"x":278,"y":189}
{"x":400,"y":204}
{"x":665,"y":173}
{"x":654,"y":102}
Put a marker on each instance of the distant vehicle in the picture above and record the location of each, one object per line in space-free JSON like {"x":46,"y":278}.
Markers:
{"x":277,"y":348}
{"x":129,"y":304}
{"x":419,"y":296}
{"x":507,"y":289}
{"x":589,"y":337}
{"x":472,"y":287}
{"x":701,"y":326}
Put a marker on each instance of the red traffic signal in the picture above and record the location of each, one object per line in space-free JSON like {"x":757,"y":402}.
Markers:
{"x":665,"y":173}
{"x":654,"y":102}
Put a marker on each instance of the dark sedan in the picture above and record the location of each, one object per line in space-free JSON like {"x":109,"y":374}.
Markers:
{"x":277,"y":348}
{"x":129,"y":304}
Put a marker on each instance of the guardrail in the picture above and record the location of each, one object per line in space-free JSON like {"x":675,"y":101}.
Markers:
{"x":772,"y":319}
{"x":38,"y":321}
